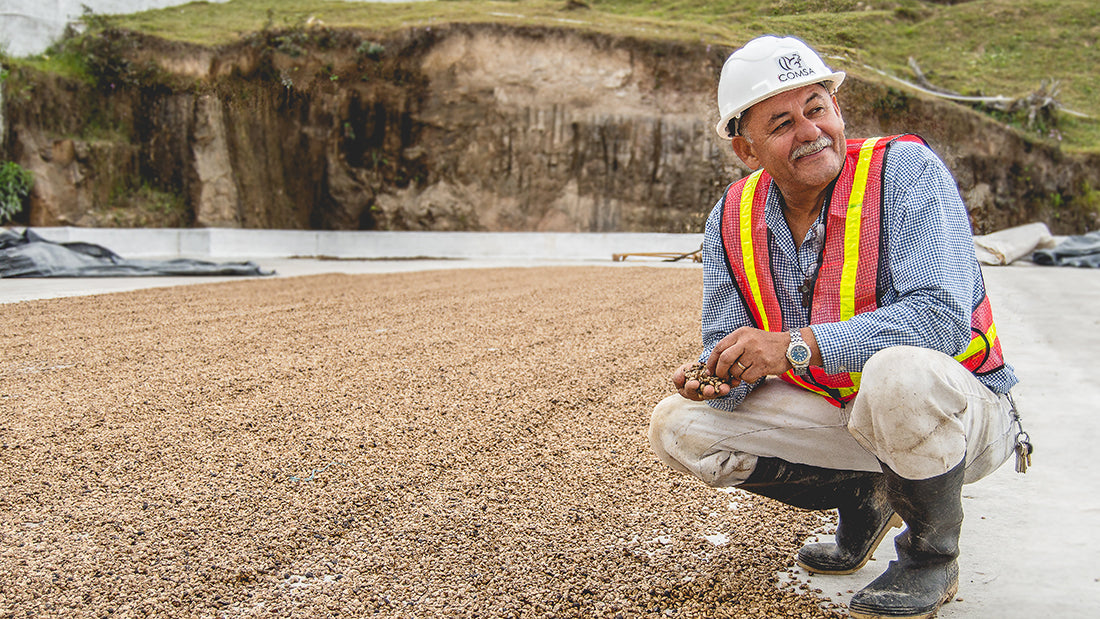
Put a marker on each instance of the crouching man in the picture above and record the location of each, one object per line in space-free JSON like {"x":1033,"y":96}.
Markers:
{"x":846,"y":313}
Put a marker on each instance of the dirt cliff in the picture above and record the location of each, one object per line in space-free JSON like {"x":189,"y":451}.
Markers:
{"x":455,"y":128}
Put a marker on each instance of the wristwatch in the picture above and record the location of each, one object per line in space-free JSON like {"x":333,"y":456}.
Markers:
{"x":798,"y":353}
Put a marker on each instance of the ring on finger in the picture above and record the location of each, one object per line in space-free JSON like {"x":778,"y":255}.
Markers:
{"x":740,"y":365}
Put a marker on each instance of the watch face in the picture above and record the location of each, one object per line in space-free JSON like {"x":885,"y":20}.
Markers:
{"x":800,"y":354}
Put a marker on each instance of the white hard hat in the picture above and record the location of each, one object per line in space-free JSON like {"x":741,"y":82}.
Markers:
{"x":764,"y":67}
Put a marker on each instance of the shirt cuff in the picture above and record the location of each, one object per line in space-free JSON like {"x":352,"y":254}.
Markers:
{"x":838,"y":352}
{"x":733,"y":399}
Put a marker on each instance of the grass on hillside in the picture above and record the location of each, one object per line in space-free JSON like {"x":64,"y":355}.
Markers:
{"x":980,"y":47}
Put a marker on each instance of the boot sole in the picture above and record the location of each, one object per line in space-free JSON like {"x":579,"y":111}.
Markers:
{"x":951,"y":591}
{"x":895,"y":522}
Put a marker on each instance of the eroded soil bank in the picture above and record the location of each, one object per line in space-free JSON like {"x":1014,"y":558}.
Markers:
{"x":453,"y":128}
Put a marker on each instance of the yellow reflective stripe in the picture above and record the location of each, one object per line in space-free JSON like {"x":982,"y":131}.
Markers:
{"x":852,"y":230}
{"x":977,"y":344}
{"x":748,"y":255}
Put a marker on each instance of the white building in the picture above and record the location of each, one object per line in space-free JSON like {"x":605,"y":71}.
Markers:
{"x":28,"y":27}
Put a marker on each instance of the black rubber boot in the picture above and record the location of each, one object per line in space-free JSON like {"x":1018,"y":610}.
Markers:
{"x":858,"y":496}
{"x":864,"y":521}
{"x":926,"y":574}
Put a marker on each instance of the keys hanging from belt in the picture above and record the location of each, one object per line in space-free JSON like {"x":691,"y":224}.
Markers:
{"x":1023,"y":440}
{"x":1023,"y":452}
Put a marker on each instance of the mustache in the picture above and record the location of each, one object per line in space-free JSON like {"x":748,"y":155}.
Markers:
{"x":816,"y":146}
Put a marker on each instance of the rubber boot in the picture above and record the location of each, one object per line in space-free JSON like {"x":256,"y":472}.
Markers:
{"x":858,"y":496}
{"x":926,"y":574}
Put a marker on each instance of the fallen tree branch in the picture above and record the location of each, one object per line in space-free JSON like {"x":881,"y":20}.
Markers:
{"x":923,"y":81}
{"x":995,"y":101}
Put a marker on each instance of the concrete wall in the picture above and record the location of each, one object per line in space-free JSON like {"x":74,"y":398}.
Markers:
{"x":28,"y":27}
{"x":238,"y":243}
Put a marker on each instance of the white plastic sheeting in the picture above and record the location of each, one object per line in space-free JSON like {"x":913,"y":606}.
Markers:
{"x":1009,"y":245}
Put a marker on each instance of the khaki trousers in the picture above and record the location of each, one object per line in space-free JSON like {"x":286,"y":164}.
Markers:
{"x":917,"y":410}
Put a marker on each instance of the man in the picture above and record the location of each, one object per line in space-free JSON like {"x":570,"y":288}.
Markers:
{"x":848,"y":271}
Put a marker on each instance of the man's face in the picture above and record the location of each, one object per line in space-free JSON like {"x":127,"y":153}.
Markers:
{"x":797,"y":136}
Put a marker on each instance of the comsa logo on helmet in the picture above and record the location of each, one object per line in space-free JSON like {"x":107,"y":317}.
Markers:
{"x":749,"y":76}
{"x":789,"y":63}
{"x":792,"y":67}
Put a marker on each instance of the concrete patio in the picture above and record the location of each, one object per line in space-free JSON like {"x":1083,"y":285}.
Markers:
{"x":1029,"y":542}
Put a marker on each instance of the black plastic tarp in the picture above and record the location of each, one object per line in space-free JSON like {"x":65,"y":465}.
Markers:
{"x":1076,"y":251}
{"x":30,"y":255}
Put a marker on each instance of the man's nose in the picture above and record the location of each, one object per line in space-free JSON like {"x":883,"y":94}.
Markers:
{"x":805,"y":129}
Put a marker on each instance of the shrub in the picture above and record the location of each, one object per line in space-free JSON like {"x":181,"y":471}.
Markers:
{"x":15,"y":186}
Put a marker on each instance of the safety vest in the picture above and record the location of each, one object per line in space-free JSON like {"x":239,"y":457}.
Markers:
{"x":847,"y":282}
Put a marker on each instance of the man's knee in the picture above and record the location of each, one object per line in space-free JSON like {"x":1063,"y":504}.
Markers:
{"x":661,"y":421}
{"x":665,"y":426}
{"x":679,"y":437}
{"x":899,"y":373}
{"x":906,"y":412}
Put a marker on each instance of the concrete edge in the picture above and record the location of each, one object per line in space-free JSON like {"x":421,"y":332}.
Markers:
{"x":371,"y":245}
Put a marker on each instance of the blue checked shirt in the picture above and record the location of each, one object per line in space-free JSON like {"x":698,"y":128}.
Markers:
{"x":929,"y":279}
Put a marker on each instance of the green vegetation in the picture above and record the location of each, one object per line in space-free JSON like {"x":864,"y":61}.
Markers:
{"x":15,"y":186}
{"x":144,"y":206}
{"x":979,"y":47}
{"x":1088,"y":197}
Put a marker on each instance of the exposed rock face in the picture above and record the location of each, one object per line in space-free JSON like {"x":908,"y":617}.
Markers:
{"x":216,"y":205}
{"x":68,"y":183}
{"x":571,"y":133}
{"x":463,"y":128}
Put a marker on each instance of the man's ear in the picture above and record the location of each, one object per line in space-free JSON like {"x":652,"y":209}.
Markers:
{"x":836,"y":106}
{"x":745,"y":151}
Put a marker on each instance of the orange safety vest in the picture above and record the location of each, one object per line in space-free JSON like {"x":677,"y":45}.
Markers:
{"x":847,"y":282}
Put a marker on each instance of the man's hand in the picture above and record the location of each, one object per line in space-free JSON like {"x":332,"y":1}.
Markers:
{"x":750,"y":354}
{"x":692,"y":389}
